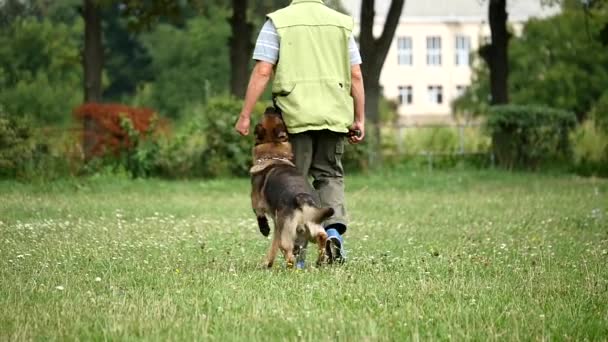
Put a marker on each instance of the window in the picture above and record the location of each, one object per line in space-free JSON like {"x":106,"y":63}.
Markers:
{"x":460,"y":90}
{"x":463,"y":48}
{"x":433,"y":50}
{"x":405,"y":95}
{"x":404,"y":51}
{"x":435,"y":93}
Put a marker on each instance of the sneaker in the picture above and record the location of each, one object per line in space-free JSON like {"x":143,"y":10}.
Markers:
{"x":301,"y":260}
{"x":334,"y":248}
{"x":300,"y":254}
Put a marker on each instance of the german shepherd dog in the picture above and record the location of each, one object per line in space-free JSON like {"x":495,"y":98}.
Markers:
{"x":280,"y":191}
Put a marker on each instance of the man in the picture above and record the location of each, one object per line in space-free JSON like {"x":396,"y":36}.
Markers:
{"x":318,"y":86}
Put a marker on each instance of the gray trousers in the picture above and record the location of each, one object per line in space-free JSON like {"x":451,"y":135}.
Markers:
{"x":318,"y":154}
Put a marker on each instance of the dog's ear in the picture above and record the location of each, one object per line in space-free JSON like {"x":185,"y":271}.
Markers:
{"x":259,"y":132}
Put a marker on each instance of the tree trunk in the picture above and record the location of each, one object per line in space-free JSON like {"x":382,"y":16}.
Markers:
{"x":496,"y":53}
{"x":373,"y":53}
{"x":240,"y":48}
{"x":93,"y":65}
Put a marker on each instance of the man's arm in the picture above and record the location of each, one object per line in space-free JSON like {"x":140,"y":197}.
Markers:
{"x":257,"y":84}
{"x":358,"y":93}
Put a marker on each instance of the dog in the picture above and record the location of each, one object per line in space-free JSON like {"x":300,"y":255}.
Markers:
{"x":281,"y":192}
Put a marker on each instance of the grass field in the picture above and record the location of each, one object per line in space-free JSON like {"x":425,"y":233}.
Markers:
{"x":432,"y":256}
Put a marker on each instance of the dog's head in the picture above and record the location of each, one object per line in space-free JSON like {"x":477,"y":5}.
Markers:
{"x":271,"y":129}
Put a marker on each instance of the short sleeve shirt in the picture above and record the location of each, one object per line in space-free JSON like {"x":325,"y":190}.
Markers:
{"x":268,"y":44}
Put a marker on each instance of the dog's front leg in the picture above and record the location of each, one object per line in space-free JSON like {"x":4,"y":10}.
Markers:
{"x":258,"y":205}
{"x":262,"y":221}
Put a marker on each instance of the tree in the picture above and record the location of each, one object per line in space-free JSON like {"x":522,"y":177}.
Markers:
{"x":495,"y":54}
{"x":40,"y":69}
{"x":92,"y":66}
{"x":373,"y":52}
{"x":559,"y":62}
{"x":141,"y":14}
{"x":189,"y":64}
{"x":240,"y":48}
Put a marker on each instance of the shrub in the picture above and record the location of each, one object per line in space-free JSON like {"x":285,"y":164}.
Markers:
{"x":226,"y":152}
{"x":28,"y":153}
{"x":599,"y":114}
{"x":356,"y":157}
{"x":526,"y":136}
{"x":121,"y":135}
{"x":590,"y":145}
{"x":180,"y":152}
{"x":16,"y":147}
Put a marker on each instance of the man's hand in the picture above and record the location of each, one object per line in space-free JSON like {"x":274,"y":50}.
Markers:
{"x":357,"y":126}
{"x":242,"y":125}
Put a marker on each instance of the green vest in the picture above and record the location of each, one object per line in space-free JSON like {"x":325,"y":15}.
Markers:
{"x":313,"y":77}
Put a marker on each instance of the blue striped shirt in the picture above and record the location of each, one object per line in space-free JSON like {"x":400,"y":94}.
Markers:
{"x":268,"y":44}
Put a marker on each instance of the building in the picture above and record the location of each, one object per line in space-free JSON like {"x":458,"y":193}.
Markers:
{"x":429,"y":63}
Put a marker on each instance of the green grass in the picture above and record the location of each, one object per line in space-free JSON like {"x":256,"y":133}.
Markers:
{"x":463,"y":256}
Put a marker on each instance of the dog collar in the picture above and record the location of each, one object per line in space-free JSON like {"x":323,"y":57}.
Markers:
{"x":263,"y":163}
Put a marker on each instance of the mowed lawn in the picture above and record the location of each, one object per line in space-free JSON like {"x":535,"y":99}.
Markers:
{"x":477,"y":255}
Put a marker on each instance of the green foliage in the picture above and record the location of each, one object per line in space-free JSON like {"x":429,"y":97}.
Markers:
{"x":226,"y":152}
{"x":356,"y":157}
{"x":139,"y":156}
{"x":28,"y":153}
{"x":180,"y":153}
{"x":475,"y":101}
{"x":590,"y":147}
{"x":16,"y":147}
{"x":189,"y":65}
{"x":525,"y":136}
{"x":126,"y":61}
{"x":445,"y":140}
{"x":40,"y":69}
{"x":432,"y":140}
{"x":599,"y":114}
{"x":554,"y":62}
{"x":387,"y":111}
{"x":557,"y":64}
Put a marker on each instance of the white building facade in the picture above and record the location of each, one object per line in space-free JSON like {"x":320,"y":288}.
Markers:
{"x":429,"y":63}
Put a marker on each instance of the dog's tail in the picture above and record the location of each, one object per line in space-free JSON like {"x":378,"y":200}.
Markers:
{"x":310,"y":210}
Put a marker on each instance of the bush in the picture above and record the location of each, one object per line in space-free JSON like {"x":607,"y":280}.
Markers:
{"x":526,"y":136}
{"x":180,"y":153}
{"x":16,"y":147}
{"x":356,"y":157}
{"x":29,"y":153}
{"x":226,"y":152}
{"x":121,"y":135}
{"x":599,"y":114}
{"x":590,"y":145}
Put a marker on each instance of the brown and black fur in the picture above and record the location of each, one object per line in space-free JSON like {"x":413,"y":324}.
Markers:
{"x":280,"y":191}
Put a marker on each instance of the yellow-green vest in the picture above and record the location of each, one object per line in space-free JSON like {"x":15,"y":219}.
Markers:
{"x":313,"y":77}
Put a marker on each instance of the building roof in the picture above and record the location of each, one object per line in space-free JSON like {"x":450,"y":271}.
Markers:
{"x":455,"y":10}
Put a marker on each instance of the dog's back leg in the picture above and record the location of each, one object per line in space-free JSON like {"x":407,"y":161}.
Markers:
{"x":288,"y":231}
{"x":319,"y":236}
{"x":274,"y":246}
